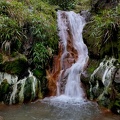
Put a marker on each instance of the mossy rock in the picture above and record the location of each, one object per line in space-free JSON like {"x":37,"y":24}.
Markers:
{"x":15,"y":66}
{"x":4,"y":90}
{"x":31,"y":93}
{"x":27,"y":90}
{"x":104,"y":101}
{"x":39,"y":73}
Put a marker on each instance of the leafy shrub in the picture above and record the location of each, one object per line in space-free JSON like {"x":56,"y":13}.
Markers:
{"x":103,"y":30}
{"x":17,"y":14}
{"x":41,"y":55}
{"x":10,"y":31}
{"x":15,"y":10}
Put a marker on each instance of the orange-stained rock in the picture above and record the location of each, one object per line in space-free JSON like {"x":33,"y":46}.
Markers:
{"x":58,"y":65}
{"x":52,"y":75}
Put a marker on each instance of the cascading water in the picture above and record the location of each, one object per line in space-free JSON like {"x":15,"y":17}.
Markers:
{"x":74,"y":23}
{"x":73,"y":58}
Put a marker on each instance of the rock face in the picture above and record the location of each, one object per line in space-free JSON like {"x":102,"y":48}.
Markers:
{"x":13,"y":90}
{"x":16,"y":64}
{"x":69,"y":59}
{"x":105,"y":84}
{"x":86,"y":14}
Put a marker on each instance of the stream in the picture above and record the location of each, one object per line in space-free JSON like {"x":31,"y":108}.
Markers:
{"x":41,"y":110}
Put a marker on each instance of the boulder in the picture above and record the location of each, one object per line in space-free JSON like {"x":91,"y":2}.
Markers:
{"x":105,"y":84}
{"x":14,"y":64}
{"x":14,"y":90}
{"x":86,"y":14}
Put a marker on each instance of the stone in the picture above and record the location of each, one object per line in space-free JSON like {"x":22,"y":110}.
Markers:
{"x":86,"y":14}
{"x":16,"y":64}
{"x":117,"y":76}
{"x":105,"y":84}
{"x":14,"y":90}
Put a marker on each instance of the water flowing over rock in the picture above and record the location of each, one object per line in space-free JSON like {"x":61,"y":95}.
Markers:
{"x":13,"y":90}
{"x":72,"y":59}
{"x":105,"y":84}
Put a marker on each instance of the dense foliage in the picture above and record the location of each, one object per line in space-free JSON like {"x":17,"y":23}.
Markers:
{"x":63,"y":4}
{"x":25,"y":25}
{"x":28,"y":38}
{"x":104,"y":32}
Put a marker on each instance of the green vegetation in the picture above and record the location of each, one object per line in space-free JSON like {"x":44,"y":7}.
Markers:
{"x":103,"y":32}
{"x":75,"y":5}
{"x":63,"y":4}
{"x":15,"y":67}
{"x":81,"y":5}
{"x":41,"y":56}
{"x":28,"y":38}
{"x":105,"y":22}
{"x":28,"y":27}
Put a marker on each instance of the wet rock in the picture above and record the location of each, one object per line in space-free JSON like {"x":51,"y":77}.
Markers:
{"x":14,"y":90}
{"x":15,"y":64}
{"x":86,"y":14}
{"x":105,"y":84}
{"x":117,"y":76}
{"x":72,"y":58}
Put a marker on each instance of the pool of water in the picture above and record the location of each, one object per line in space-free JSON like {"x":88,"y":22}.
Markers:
{"x":46,"y":110}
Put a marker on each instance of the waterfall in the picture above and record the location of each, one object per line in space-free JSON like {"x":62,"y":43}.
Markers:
{"x":71,"y":61}
{"x":71,"y":24}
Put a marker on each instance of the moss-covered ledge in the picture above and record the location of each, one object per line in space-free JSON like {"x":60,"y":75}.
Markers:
{"x":14,"y":64}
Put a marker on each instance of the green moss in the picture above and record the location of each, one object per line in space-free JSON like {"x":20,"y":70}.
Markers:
{"x":17,"y":66}
{"x":93,"y":64}
{"x":29,"y":93}
{"x":27,"y":90}
{"x":38,"y":73}
{"x":4,"y":90}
